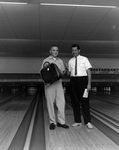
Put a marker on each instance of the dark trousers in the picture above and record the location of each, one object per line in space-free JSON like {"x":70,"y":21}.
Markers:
{"x":77,"y":87}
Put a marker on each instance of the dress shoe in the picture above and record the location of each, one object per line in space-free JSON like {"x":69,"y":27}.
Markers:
{"x":76,"y":124}
{"x":52,"y":126}
{"x":62,"y":125}
{"x":89,"y":125}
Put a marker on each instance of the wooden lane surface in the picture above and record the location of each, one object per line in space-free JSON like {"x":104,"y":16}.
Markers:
{"x":107,"y":108}
{"x":11,"y":115}
{"x":103,"y":105}
{"x":75,"y":138}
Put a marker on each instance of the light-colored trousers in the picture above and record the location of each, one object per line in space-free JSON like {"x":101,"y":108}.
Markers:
{"x":54,"y":93}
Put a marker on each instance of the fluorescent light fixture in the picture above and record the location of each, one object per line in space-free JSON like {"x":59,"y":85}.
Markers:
{"x":76,"y":5}
{"x":12,"y":3}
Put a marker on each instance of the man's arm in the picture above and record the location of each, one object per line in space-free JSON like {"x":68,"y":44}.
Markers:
{"x":89,"y":79}
{"x":62,"y":70}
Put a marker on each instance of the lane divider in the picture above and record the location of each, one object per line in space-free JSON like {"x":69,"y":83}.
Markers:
{"x":29,"y":134}
{"x":21,"y":134}
{"x":109,"y":122}
{"x":38,"y":134}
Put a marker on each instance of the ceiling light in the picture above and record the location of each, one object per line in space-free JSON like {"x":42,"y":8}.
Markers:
{"x":12,"y":3}
{"x":76,"y":5}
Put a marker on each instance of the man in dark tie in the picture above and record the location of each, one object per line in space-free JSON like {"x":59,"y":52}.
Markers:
{"x":80,"y":85}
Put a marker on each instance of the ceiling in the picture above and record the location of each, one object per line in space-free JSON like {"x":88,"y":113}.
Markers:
{"x":29,"y":30}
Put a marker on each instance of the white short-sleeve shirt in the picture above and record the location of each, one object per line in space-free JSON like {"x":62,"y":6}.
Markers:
{"x":83,"y":64}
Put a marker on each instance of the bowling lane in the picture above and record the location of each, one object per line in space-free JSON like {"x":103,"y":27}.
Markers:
{"x":110,"y":97}
{"x":75,"y":138}
{"x":104,"y":108}
{"x":8,"y":93}
{"x":106,"y":104}
{"x":11,"y":116}
{"x":110,"y":110}
{"x":6,"y":97}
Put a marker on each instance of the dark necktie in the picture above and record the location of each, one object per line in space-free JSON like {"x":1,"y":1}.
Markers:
{"x":75,"y":65}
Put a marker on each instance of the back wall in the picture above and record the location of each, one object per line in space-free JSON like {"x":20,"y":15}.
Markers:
{"x":33,"y":64}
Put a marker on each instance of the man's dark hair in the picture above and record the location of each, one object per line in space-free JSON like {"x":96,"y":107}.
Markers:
{"x":75,"y":45}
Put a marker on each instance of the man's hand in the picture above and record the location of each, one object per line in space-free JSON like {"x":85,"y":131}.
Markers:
{"x":88,"y":87}
{"x":45,"y":65}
